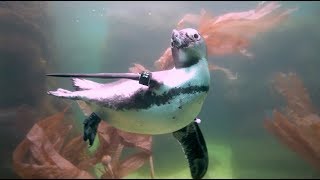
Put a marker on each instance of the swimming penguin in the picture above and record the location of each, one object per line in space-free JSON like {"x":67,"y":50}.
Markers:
{"x":153,"y":103}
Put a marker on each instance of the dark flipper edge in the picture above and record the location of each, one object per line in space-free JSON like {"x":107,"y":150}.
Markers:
{"x":195,"y":149}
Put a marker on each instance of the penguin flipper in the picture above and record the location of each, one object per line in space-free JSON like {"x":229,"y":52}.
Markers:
{"x":84,"y":84}
{"x":195,"y":149}
{"x":62,"y":93}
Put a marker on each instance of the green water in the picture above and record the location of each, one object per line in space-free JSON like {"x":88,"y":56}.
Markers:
{"x":111,"y":36}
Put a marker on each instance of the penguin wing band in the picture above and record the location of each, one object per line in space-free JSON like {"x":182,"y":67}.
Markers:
{"x":145,"y":78}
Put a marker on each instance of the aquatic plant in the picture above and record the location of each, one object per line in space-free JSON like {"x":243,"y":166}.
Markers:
{"x":53,"y":149}
{"x":112,"y":148}
{"x":298,"y":125}
{"x":38,"y":155}
{"x":229,"y":33}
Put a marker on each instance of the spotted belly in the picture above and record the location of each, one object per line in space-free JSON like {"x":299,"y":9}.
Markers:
{"x":158,"y":118}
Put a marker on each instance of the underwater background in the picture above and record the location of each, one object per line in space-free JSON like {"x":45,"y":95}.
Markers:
{"x":89,"y":37}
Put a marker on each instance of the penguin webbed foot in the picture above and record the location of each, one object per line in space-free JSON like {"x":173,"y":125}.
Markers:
{"x":90,"y":128}
{"x":195,"y":149}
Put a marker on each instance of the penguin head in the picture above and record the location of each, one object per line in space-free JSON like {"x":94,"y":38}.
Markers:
{"x":188,"y":47}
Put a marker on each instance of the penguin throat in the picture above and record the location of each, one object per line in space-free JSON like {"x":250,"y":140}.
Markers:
{"x":183,"y":60}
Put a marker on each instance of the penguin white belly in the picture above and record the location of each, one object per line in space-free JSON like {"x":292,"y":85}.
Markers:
{"x":134,"y":108}
{"x":165,"y":110}
{"x":162,"y":119}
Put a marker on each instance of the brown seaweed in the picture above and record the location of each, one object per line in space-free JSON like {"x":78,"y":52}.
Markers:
{"x":53,"y":149}
{"x":298,"y":126}
{"x":229,"y":33}
{"x":38,"y":155}
{"x":110,"y":157}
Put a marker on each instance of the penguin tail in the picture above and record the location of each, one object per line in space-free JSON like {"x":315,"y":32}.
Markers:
{"x":62,"y":93}
{"x":83,"y":84}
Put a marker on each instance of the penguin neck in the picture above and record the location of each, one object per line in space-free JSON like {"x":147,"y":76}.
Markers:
{"x":199,"y":64}
{"x":195,"y":75}
{"x":183,"y":59}
{"x":191,"y":63}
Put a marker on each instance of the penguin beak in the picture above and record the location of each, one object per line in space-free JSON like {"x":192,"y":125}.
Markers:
{"x":177,"y":40}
